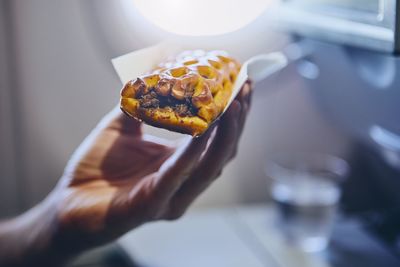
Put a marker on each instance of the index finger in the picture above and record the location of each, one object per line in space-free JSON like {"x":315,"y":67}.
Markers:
{"x":174,"y":172}
{"x":213,"y":161}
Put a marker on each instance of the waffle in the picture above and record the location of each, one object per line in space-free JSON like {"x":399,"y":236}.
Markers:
{"x":185,"y":93}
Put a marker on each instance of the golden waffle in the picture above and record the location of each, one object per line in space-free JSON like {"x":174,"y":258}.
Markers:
{"x":183,"y":94}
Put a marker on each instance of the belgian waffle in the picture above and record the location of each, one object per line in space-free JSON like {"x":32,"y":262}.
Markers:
{"x":186,"y":93}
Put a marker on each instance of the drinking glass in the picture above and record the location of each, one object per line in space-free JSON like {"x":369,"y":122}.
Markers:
{"x":306,"y":190}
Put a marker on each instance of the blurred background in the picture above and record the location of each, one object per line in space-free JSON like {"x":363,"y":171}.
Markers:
{"x":57,"y":53}
{"x":339,"y":96}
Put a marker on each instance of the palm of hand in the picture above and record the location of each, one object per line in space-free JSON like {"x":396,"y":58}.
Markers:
{"x":107,"y":187}
{"x":119,"y":179}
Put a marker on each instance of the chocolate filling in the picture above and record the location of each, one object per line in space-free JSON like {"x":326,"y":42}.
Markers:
{"x":181,"y":107}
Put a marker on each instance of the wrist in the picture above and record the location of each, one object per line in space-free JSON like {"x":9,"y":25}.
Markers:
{"x":32,"y":239}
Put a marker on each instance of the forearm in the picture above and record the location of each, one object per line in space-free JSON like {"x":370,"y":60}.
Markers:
{"x":30,"y":239}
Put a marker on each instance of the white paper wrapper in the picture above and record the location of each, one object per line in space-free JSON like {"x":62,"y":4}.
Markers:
{"x":136,"y":63}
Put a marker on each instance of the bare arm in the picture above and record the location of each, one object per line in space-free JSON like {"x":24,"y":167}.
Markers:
{"x":29,"y":239}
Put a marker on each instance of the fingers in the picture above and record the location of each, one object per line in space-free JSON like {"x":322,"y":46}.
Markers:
{"x":225,"y":140}
{"x":184,"y":178}
{"x":174,"y":172}
{"x":218,"y":154}
{"x":221,"y":150}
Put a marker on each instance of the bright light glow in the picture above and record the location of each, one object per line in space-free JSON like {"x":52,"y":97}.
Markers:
{"x":201,"y":17}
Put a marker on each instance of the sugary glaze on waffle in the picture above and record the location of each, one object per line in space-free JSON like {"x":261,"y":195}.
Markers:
{"x":185,"y":93}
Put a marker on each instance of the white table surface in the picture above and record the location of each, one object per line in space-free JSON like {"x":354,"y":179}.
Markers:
{"x":241,"y":236}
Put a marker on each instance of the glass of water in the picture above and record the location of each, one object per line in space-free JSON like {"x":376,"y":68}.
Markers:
{"x":305,"y":189}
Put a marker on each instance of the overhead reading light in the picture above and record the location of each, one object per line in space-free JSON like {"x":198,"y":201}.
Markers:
{"x":201,"y":17}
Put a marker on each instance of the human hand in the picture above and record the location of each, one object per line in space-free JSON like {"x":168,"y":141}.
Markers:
{"x":119,"y":178}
